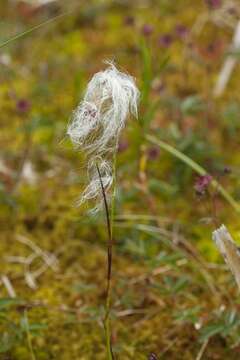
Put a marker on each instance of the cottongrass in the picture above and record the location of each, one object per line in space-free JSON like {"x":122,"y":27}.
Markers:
{"x":111,"y":96}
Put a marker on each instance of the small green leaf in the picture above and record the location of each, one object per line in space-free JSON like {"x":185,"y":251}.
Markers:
{"x":192,"y":105}
{"x":5,"y":303}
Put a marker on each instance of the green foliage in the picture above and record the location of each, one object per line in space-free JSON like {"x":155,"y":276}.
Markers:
{"x":190,"y":315}
{"x":226,"y":325}
{"x":168,"y":296}
{"x":192,"y":105}
{"x":14,"y":331}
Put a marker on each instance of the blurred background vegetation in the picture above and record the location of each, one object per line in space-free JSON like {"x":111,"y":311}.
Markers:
{"x":172,"y":295}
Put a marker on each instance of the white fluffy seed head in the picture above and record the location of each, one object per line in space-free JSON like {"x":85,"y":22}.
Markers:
{"x":96,"y":123}
{"x":109,"y":98}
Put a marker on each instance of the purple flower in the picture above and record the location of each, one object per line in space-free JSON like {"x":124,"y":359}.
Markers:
{"x":23,"y":105}
{"x":213,"y":4}
{"x":181,"y":31}
{"x":202,"y":184}
{"x":129,"y":20}
{"x":122,"y":146}
{"x":147,"y":29}
{"x":153,"y":153}
{"x":165,"y":40}
{"x":227,"y":170}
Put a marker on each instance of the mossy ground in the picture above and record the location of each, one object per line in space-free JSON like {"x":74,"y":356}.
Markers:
{"x":171,"y":294}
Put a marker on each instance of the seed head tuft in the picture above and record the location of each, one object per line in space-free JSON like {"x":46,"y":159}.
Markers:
{"x":111,"y":96}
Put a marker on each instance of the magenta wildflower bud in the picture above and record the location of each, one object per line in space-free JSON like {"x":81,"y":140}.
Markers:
{"x":23,"y":105}
{"x":122,"y":146}
{"x":181,"y":31}
{"x":227,"y":170}
{"x":202,"y":184}
{"x":165,"y":40}
{"x":213,"y":4}
{"x":153,"y":153}
{"x":147,"y":29}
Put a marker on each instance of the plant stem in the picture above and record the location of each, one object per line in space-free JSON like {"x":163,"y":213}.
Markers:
{"x":196,"y":167}
{"x":29,"y":339}
{"x":29,"y":31}
{"x":109,"y":221}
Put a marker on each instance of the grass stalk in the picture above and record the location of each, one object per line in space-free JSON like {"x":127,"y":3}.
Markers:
{"x":32,"y":29}
{"x":196,"y":167}
{"x":29,"y":338}
{"x":109,"y":220}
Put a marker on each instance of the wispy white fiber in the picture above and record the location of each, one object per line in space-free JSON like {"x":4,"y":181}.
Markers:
{"x":229,"y":250}
{"x":96,"y":123}
{"x":93,"y":189}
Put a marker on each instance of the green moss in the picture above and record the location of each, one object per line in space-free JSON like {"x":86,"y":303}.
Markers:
{"x":163,"y":264}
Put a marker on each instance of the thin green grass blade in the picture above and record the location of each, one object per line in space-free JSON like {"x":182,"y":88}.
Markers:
{"x":196,"y":167}
{"x":29,"y":31}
